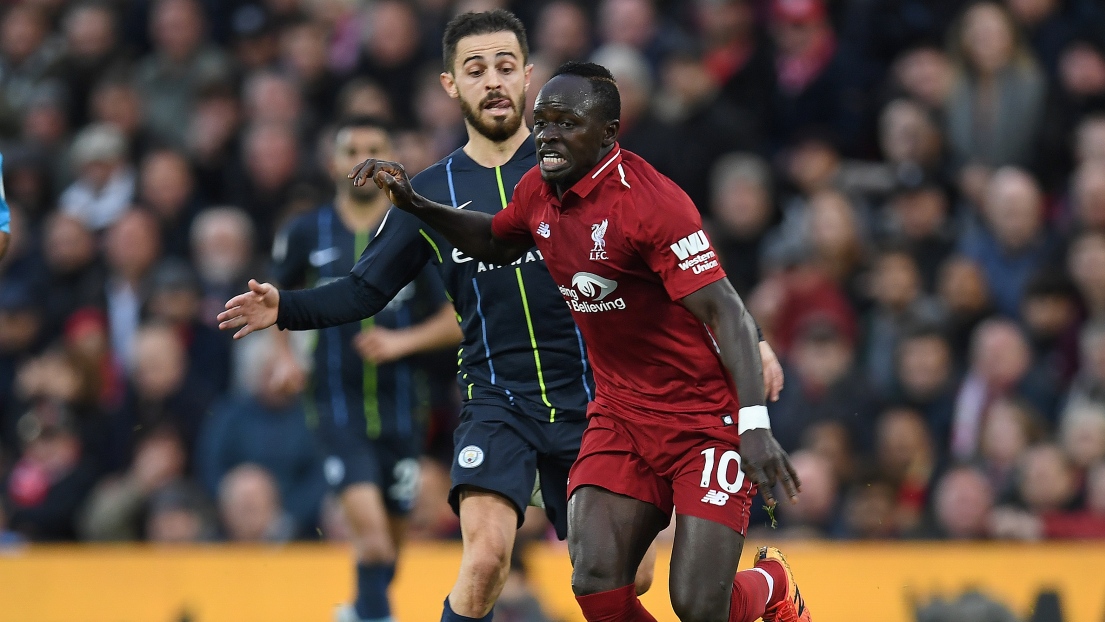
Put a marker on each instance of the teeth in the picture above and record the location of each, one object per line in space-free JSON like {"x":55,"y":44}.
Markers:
{"x":552,"y":159}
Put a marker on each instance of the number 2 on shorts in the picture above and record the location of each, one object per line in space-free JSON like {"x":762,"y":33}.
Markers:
{"x":722,"y":468}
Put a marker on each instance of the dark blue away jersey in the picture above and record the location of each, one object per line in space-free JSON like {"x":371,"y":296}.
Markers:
{"x":520,"y":343}
{"x":316,"y":248}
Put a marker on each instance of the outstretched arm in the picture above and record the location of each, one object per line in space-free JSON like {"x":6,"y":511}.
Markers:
{"x":469,"y":231}
{"x":347,"y":299}
{"x":384,"y":345}
{"x":720,"y":307}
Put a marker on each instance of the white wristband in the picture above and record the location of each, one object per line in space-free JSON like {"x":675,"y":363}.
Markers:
{"x":752,"y":418}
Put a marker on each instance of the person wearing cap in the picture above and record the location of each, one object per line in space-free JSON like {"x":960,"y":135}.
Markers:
{"x":105,"y":179}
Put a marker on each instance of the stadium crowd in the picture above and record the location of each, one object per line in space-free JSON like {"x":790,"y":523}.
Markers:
{"x":910,"y":194}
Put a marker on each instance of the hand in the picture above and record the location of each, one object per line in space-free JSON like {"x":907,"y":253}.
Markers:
{"x":773,"y":372}
{"x":380,"y":345}
{"x":287,"y":377}
{"x":253,"y":310}
{"x":765,"y":462}
{"x":389,"y":177}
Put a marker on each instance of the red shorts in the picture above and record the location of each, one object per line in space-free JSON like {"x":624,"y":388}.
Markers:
{"x":693,"y":469}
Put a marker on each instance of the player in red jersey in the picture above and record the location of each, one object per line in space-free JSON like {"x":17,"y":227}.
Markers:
{"x":672,"y":347}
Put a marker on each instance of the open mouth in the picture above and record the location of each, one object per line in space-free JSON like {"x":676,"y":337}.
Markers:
{"x":552,"y":161}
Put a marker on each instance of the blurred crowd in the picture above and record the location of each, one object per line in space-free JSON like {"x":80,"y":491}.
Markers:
{"x":909,"y":194}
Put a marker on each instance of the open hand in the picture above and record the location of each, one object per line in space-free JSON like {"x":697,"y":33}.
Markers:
{"x":765,"y":462}
{"x":253,"y":310}
{"x":389,"y":177}
{"x":773,"y":372}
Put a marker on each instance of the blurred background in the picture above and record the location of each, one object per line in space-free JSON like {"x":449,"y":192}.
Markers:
{"x":910,"y":195}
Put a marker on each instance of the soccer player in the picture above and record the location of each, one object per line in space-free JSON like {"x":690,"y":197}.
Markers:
{"x":523,"y":372}
{"x":5,"y":214}
{"x":363,"y":398}
{"x":672,"y":347}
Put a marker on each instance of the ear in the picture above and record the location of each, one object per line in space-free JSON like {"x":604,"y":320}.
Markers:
{"x":529,"y":74}
{"x":610,"y":132}
{"x":449,"y":83}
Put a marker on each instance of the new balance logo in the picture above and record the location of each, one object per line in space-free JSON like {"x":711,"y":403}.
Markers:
{"x":693,"y":244}
{"x":543,"y":230}
{"x":715,"y":497}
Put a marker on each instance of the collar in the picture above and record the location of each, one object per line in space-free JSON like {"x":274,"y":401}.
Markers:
{"x":594,"y":177}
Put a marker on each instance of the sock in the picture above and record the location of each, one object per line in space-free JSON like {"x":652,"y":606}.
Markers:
{"x":620,"y":605}
{"x":372,"y":591}
{"x":752,"y":590}
{"x":778,"y":575}
{"x":448,"y":615}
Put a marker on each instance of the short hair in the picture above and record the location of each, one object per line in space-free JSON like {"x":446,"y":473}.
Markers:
{"x":471,"y":24}
{"x":603,"y":85}
{"x":364,"y":121}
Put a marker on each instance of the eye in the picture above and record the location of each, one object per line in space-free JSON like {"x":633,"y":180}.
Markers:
{"x":567,"y":125}
{"x":475,"y":73}
{"x":540,"y":124}
{"x":506,"y":69}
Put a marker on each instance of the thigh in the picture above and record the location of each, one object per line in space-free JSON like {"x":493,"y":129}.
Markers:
{"x":349,"y":458}
{"x":400,"y":472}
{"x":492,"y":453}
{"x":608,"y":536}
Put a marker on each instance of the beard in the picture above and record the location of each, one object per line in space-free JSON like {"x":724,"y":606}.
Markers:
{"x":498,"y":129}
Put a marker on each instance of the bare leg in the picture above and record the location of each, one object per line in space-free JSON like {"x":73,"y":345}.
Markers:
{"x":488,"y":523}
{"x":646,"y":572}
{"x":608,"y":535}
{"x":703,"y":566}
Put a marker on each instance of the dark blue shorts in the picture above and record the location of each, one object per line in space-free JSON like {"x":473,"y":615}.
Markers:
{"x":497,"y":448}
{"x":390,"y":463}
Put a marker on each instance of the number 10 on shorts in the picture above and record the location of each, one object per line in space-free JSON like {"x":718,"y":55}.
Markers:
{"x":722,"y":470}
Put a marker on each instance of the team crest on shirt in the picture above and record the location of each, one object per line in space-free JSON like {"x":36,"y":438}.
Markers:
{"x":598,"y":236}
{"x":470,"y":457}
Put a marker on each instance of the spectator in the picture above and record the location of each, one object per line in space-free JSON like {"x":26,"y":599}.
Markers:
{"x":1084,"y":524}
{"x":925,"y":73}
{"x":962,"y":501}
{"x":1050,"y":313}
{"x":254,"y":37}
{"x":222,"y":250}
{"x":1078,"y":96}
{"x":212,"y":140}
{"x":131,"y":248}
{"x":75,"y":273}
{"x":641,"y":131}
{"x":737,"y":56}
{"x":1011,"y":427}
{"x":822,"y":386}
{"x":906,"y":459}
{"x":116,"y":102}
{"x":1001,"y":365}
{"x":303,"y":55}
{"x":1014,"y":242}
{"x":180,"y":514}
{"x":160,"y":395}
{"x":1087,"y":209}
{"x":116,"y":508}
{"x":1084,"y":258}
{"x":995,"y":109}
{"x":1046,"y":480}
{"x":391,"y":54}
{"x":1082,"y":434}
{"x":961,"y":287}
{"x":181,"y":64}
{"x":1048,"y":26}
{"x":249,"y":505}
{"x":1089,"y":138}
{"x":917,"y":217}
{"x":167,"y":189}
{"x":266,"y":427}
{"x":911,"y":141}
{"x":105,"y":180}
{"x":20,"y":328}
{"x":869,"y":511}
{"x":563,"y":33}
{"x":27,"y":55}
{"x":926,"y":379}
{"x":1089,"y":385}
{"x":634,"y":23}
{"x":51,"y":479}
{"x":741,"y":210}
{"x":92,"y":51}
{"x":175,"y":299}
{"x":271,"y":161}
{"x":812,"y":516}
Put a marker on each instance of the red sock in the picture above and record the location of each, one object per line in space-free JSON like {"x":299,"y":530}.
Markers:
{"x":750,"y":594}
{"x":620,"y":605}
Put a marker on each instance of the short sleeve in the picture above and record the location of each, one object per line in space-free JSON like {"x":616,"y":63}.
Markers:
{"x":290,"y":254}
{"x":673,"y":244}
{"x":510,"y":225}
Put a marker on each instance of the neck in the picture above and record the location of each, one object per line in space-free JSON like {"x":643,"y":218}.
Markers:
{"x":488,"y":153}
{"x":360,"y":216}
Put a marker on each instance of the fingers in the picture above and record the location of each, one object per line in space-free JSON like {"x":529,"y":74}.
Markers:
{"x":363,"y":171}
{"x":791,"y":483}
{"x":764,"y":483}
{"x":247,"y":329}
{"x":231,"y":321}
{"x":238,"y":300}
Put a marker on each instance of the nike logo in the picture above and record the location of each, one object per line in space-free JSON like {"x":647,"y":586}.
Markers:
{"x":464,"y":206}
{"x":324,"y":256}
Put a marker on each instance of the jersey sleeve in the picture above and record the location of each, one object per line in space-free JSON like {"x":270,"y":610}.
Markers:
{"x":290,"y":254}
{"x":672,"y":242}
{"x":511,"y":223}
{"x":395,"y":256}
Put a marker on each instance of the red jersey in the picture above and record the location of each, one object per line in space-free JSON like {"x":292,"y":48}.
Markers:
{"x":625,"y":245}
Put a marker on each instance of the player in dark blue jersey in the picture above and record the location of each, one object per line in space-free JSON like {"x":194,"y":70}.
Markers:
{"x":362,"y":400}
{"x":523,"y":370}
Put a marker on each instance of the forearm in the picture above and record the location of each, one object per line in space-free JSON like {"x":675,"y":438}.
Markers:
{"x":348,"y":299}
{"x":469,"y":231}
{"x":734,"y":330}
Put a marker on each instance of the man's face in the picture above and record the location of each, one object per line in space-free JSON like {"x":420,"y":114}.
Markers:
{"x":352,"y":146}
{"x":570,"y":135}
{"x":490,"y":80}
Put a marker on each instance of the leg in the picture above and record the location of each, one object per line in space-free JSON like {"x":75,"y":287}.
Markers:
{"x":374,"y":546}
{"x":487,"y":522}
{"x":646,"y":572}
{"x":608,"y":536}
{"x":700,"y":591}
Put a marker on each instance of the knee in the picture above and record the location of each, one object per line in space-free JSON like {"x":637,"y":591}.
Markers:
{"x":487,"y":557}
{"x":592,"y":574}
{"x":374,"y":547}
{"x":696,"y":605}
